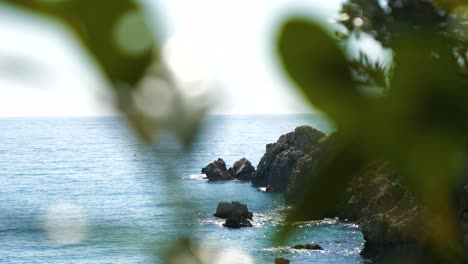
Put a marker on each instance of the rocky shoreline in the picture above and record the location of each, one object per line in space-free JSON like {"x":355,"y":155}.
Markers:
{"x":376,"y":199}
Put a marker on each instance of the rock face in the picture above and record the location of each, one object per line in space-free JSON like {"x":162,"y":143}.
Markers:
{"x":236,"y":214}
{"x":376,"y":199}
{"x":217,"y":171}
{"x":242,"y":170}
{"x":278,"y":164}
{"x":387,"y":213}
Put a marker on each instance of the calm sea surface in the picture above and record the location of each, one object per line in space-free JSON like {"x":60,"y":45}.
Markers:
{"x":84,"y":190}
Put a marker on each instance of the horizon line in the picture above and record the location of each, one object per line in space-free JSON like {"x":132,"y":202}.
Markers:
{"x":118,"y":115}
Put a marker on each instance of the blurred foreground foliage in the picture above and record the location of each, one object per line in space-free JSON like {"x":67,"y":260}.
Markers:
{"x":419,"y":119}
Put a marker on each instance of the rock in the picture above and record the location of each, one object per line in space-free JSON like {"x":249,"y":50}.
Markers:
{"x":313,"y":246}
{"x":243,"y":170}
{"x":281,"y":261}
{"x":238,"y":220}
{"x":225,"y":210}
{"x":279,"y":162}
{"x":387,"y":213}
{"x":377,"y":199}
{"x":236,"y":214}
{"x":217,"y":171}
{"x":298,"y":247}
{"x":232,"y":172}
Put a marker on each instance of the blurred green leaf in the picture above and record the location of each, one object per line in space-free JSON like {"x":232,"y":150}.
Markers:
{"x":419,"y":125}
{"x":102,"y":26}
{"x":318,"y":66}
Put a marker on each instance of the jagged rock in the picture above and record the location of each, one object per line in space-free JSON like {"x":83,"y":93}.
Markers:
{"x":278,"y":163}
{"x":389,"y":217}
{"x":312,"y":246}
{"x":225,"y":210}
{"x":281,"y":261}
{"x":375,"y":199}
{"x":237,"y":220}
{"x":217,"y":171}
{"x":306,"y":166}
{"x":236,"y":214}
{"x":242,"y":170}
{"x":232,"y":172}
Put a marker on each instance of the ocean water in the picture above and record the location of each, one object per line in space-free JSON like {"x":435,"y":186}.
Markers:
{"x":84,"y":190}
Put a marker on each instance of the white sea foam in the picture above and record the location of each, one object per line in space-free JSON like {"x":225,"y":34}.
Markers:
{"x":195,"y":177}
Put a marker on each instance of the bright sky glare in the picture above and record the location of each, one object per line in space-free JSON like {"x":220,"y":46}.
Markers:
{"x":42,"y":72}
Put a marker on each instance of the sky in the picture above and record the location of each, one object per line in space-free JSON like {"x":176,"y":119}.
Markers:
{"x":43,"y":71}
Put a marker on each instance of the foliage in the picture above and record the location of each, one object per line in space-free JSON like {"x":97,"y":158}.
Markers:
{"x":419,"y":124}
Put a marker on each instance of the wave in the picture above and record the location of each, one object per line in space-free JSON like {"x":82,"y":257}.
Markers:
{"x":195,"y":177}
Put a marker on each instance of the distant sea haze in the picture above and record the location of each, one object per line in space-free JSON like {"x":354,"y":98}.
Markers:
{"x":85,"y":190}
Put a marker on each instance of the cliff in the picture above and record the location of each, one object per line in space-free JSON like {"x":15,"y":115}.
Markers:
{"x":278,"y":165}
{"x":376,"y":199}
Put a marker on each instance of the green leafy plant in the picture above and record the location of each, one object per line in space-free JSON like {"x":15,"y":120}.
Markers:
{"x":419,"y":124}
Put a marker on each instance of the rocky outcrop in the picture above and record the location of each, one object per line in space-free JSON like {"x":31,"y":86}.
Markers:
{"x":278,"y":164}
{"x":242,"y":170}
{"x":217,"y":171}
{"x":375,"y":199}
{"x":236,"y":214}
{"x":387,"y":213}
{"x":225,"y":209}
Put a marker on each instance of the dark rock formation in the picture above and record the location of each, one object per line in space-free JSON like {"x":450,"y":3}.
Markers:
{"x":281,"y":261}
{"x":236,"y":214}
{"x":313,"y":246}
{"x":376,"y":199}
{"x":217,"y":171}
{"x":237,"y":220}
{"x":242,"y":170}
{"x":389,"y":217}
{"x":279,"y":162}
{"x":225,"y":209}
{"x":306,"y":166}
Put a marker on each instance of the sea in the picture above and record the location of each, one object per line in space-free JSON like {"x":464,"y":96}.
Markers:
{"x":87,"y":190}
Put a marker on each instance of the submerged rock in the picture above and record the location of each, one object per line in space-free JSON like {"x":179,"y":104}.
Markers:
{"x":281,"y":261}
{"x":217,"y":171}
{"x":312,"y":246}
{"x":236,"y":214}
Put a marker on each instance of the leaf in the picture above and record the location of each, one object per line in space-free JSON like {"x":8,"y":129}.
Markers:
{"x":110,"y":30}
{"x":317,"y":65}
